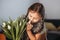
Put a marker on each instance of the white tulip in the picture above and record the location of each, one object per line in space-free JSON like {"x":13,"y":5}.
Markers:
{"x":9,"y":27}
{"x":20,"y":24}
{"x":4,"y":24}
{"x":23,"y":20}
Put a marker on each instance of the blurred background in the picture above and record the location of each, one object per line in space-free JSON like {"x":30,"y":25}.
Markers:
{"x":15,"y":8}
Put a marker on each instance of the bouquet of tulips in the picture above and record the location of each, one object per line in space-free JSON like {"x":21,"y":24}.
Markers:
{"x":14,"y":29}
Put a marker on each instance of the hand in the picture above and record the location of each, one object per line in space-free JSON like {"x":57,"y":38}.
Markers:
{"x":29,"y":26}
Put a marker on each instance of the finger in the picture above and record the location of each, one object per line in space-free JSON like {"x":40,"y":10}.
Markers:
{"x":29,"y":22}
{"x":30,"y":25}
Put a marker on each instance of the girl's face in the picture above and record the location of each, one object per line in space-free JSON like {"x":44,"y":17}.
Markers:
{"x":34,"y":17}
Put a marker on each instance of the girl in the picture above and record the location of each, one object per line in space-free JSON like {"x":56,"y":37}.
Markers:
{"x":35,"y":28}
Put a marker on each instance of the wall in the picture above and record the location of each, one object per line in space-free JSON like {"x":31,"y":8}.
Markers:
{"x":52,"y":8}
{"x":13,"y":8}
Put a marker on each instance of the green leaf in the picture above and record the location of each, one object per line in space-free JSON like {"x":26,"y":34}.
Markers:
{"x":17,"y":30}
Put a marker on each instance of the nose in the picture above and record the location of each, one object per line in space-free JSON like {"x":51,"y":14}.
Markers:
{"x":31,"y":19}
{"x":29,"y":22}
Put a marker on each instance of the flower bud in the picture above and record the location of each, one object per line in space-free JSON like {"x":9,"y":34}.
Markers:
{"x":9,"y":27}
{"x":20,"y":24}
{"x":4,"y":24}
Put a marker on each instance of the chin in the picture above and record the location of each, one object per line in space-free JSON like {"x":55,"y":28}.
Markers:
{"x":34,"y":22}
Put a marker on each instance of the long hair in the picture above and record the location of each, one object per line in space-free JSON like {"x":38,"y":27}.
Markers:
{"x":37,"y":7}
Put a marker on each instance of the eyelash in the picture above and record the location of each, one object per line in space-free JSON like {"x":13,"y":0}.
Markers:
{"x":34,"y":18}
{"x":30,"y":16}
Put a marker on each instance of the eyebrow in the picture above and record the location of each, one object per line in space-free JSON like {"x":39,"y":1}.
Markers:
{"x":34,"y":17}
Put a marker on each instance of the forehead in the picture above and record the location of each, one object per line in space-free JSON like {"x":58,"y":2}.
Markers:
{"x":32,"y":13}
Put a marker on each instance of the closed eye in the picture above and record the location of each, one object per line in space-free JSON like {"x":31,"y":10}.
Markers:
{"x":30,"y":16}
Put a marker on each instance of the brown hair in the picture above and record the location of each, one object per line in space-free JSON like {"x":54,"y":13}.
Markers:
{"x":37,"y":7}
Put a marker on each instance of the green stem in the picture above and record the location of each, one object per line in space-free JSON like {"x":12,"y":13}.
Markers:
{"x":13,"y":34}
{"x":13,"y":37}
